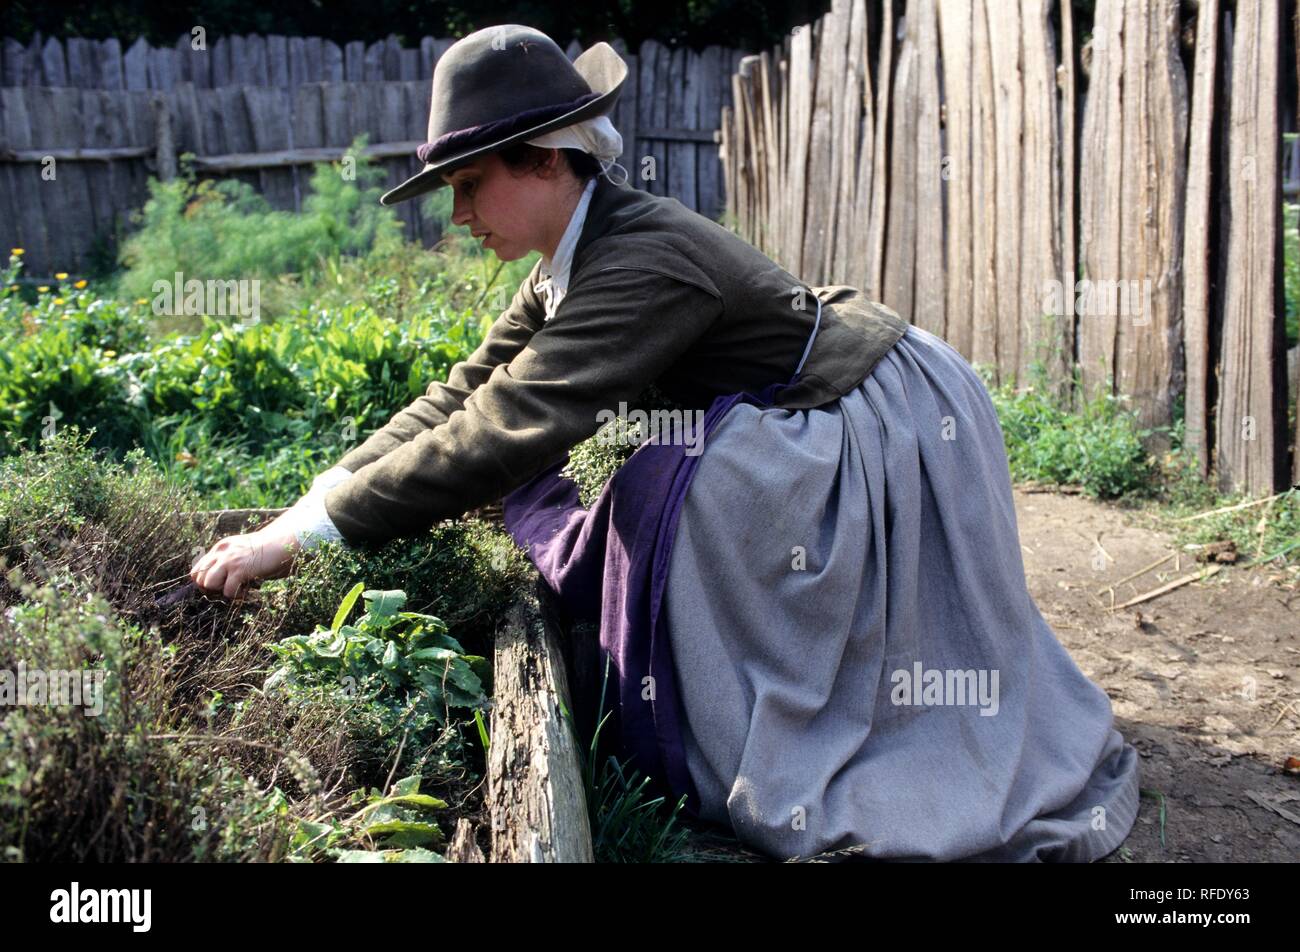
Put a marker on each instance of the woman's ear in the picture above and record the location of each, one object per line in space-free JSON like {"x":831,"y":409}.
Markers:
{"x":554,"y":165}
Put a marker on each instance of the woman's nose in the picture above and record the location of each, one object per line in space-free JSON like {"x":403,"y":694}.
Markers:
{"x":460,"y":214}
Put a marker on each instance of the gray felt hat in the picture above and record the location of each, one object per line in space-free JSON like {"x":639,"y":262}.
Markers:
{"x":502,"y":85}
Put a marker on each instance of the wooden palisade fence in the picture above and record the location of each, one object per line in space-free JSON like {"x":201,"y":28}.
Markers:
{"x":1111,"y":208}
{"x":261,"y":109}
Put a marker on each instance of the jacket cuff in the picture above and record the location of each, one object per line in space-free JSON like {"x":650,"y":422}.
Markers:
{"x":307,"y":518}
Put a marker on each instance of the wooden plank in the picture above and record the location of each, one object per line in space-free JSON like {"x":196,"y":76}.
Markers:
{"x":984,"y":213}
{"x":68,"y":195}
{"x":374,"y":62}
{"x":708,"y":169}
{"x":427,"y":58}
{"x":1069,"y":187}
{"x":111,"y":76}
{"x":1044,"y":334}
{"x":1149,"y":341}
{"x":297,"y":61}
{"x":255,"y":48}
{"x":95,"y":109}
{"x":239,"y":60}
{"x":32,"y":60}
{"x":334,"y":113}
{"x":1004,"y":32}
{"x":415,"y":102}
{"x":119,"y":183}
{"x":800,"y":108}
{"x":391,"y":120}
{"x":1250,"y":447}
{"x":683,"y":112}
{"x":184,"y":68}
{"x":135,"y":65}
{"x":331,"y":62}
{"x":82,"y":72}
{"x":535,"y":797}
{"x":648,"y":176}
{"x":873,"y":286}
{"x":1196,"y":239}
{"x":955,"y":46}
{"x":201,"y":60}
{"x":354,"y":61}
{"x":220,"y":61}
{"x":163,"y":69}
{"x":408,"y":65}
{"x":900,"y":252}
{"x":54,"y":67}
{"x":928,"y":309}
{"x":27,"y":226}
{"x":823,"y":134}
{"x":237,"y":127}
{"x":766,"y":151}
{"x":1100,"y":149}
{"x":277,"y":61}
{"x":270,"y":123}
{"x":627,"y":120}
{"x":392,"y":58}
{"x":15,"y":62}
{"x":315,"y":53}
{"x":189,"y":125}
{"x":848,"y":261}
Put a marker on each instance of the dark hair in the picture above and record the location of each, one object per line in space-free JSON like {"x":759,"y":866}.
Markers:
{"x":524,"y":157}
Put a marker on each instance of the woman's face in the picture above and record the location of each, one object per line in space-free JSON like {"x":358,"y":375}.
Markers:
{"x":513,"y":213}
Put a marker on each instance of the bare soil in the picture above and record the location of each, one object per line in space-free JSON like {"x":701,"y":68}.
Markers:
{"x":1204,"y":680}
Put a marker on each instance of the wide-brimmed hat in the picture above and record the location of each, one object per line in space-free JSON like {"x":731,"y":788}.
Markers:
{"x":502,"y":85}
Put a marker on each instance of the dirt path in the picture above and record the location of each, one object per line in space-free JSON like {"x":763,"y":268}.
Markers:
{"x":1199,"y":678}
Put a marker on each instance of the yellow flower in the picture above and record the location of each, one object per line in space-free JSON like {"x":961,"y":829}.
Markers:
{"x":80,"y":284}
{"x":16,"y":252}
{"x":58,"y":300}
{"x":110,"y":353}
{"x":141,"y":300}
{"x":43,"y":288}
{"x":62,"y":275}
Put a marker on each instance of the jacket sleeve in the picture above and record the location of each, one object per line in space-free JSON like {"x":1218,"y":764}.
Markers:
{"x":616,"y":331}
{"x":507,"y":336}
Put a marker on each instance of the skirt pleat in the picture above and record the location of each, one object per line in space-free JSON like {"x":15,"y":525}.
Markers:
{"x":828,"y":563}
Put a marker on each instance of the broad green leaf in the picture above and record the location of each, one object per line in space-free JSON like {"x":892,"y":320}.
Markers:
{"x":391,"y":658}
{"x":419,"y":800}
{"x":407,"y":785}
{"x":416,"y":855}
{"x":361,"y":856}
{"x":383,"y":603}
{"x":345,"y":606}
{"x":413,"y":833}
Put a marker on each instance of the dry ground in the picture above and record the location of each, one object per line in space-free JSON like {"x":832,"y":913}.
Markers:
{"x":1204,"y":680}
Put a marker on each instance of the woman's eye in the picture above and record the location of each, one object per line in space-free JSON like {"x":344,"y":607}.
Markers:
{"x":466,"y":188}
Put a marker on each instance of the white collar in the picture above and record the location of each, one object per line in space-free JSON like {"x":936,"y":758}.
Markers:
{"x":554,"y":272}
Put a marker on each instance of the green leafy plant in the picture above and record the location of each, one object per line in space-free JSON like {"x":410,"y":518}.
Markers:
{"x":397,"y":827}
{"x":225,"y":230}
{"x":627,"y":826}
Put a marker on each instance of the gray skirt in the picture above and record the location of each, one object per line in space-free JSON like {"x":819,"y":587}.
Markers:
{"x":858,"y":658}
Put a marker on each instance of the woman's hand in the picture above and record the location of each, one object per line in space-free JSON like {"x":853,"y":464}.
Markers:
{"x":235,"y":561}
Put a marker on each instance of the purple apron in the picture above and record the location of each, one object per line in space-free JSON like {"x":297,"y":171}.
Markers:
{"x":609,"y":564}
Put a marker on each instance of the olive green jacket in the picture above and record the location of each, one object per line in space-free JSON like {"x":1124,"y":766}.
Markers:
{"x":657,"y":294}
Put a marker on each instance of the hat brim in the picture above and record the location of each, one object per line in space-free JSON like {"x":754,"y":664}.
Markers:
{"x":605,"y":72}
